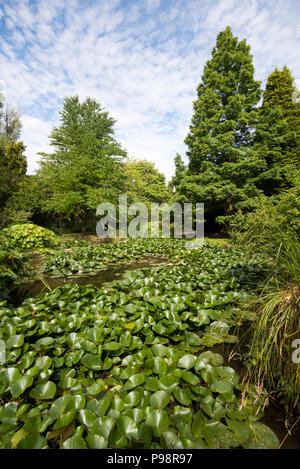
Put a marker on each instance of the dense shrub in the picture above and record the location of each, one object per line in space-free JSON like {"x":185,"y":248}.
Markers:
{"x":12,"y":267}
{"x":27,"y":236}
{"x":261,"y":229}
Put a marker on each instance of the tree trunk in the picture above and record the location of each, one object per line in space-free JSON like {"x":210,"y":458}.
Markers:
{"x":83,"y":223}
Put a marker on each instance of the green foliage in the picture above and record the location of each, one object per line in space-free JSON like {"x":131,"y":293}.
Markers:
{"x":180,"y":170}
{"x":12,"y":169}
{"x":225,"y":108}
{"x":86,"y":166}
{"x":261,"y":229}
{"x":12,"y":268}
{"x":144,"y":183}
{"x":278,"y":99}
{"x":27,"y":236}
{"x":122,"y":367}
{"x":10,"y":124}
{"x":277,"y":324}
{"x":237,"y":151}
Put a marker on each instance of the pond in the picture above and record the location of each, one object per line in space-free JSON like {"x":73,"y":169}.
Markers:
{"x":273,"y":416}
{"x":112,"y":272}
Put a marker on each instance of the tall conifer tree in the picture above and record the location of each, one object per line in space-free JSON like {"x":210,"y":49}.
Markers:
{"x":225,"y":109}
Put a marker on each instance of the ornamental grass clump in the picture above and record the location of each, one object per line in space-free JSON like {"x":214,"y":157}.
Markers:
{"x":272,"y":357}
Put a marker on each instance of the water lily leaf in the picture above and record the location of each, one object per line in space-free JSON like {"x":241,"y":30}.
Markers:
{"x":32,"y":442}
{"x":9,"y":375}
{"x":168,"y":383}
{"x":222,"y":387}
{"x":183,"y":414}
{"x":95,"y":388}
{"x":158,"y":419}
{"x":110,"y":346}
{"x":95,"y":441}
{"x":43,"y":362}
{"x":160,"y":399}
{"x":134,"y":381}
{"x":117,"y":439}
{"x":160,"y":366}
{"x":43,"y":391}
{"x":15,"y":341}
{"x":17,"y":437}
{"x":137,"y":415}
{"x":44,"y":342}
{"x":263,"y":437}
{"x":145,"y":433}
{"x":86,"y":417}
{"x":64,"y":419}
{"x":117,"y":404}
{"x":20,"y":385}
{"x":151,"y":384}
{"x":75,"y":442}
{"x":242,"y":430}
{"x":208,"y":358}
{"x":103,"y":426}
{"x":92,"y":361}
{"x":129,"y":371}
{"x":61,"y":405}
{"x":133,"y":398}
{"x":187,"y":361}
{"x":182,"y":396}
{"x":127,"y":426}
{"x":159,"y":350}
{"x":170,"y":440}
{"x":190,"y":378}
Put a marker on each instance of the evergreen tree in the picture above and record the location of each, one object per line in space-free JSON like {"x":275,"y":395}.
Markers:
{"x":280,"y":113}
{"x":180,"y":170}
{"x":13,"y":166}
{"x":86,"y":165}
{"x":144,"y":183}
{"x":221,"y":166}
{"x":225,"y":109}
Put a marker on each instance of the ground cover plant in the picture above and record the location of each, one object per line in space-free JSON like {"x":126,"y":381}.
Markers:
{"x":27,"y":236}
{"x":13,"y":267}
{"x":87,"y":257}
{"x":127,"y":366}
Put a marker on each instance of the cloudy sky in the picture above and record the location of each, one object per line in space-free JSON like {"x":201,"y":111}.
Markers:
{"x":142,"y":59}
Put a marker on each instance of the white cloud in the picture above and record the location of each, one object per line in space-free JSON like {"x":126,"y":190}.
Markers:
{"x":143,"y":62}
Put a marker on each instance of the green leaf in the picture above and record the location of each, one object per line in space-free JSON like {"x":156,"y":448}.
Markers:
{"x":170,"y":440}
{"x":158,"y":420}
{"x":160,"y":366}
{"x":127,"y":426}
{"x":15,"y":341}
{"x":32,"y":442}
{"x":103,"y":426}
{"x":151,"y":384}
{"x":19,"y":386}
{"x":43,"y":391}
{"x":92,"y":361}
{"x":182,"y":396}
{"x":134,"y":381}
{"x":95,"y":441}
{"x":160,"y":399}
{"x":75,"y":442}
{"x":263,"y":437}
{"x":187,"y":361}
{"x":168,"y":383}
{"x":133,"y":398}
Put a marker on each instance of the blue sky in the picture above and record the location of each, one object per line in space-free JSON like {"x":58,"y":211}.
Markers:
{"x":141,"y":59}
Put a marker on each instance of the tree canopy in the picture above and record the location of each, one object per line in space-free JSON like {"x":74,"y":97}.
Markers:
{"x":85,"y":167}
